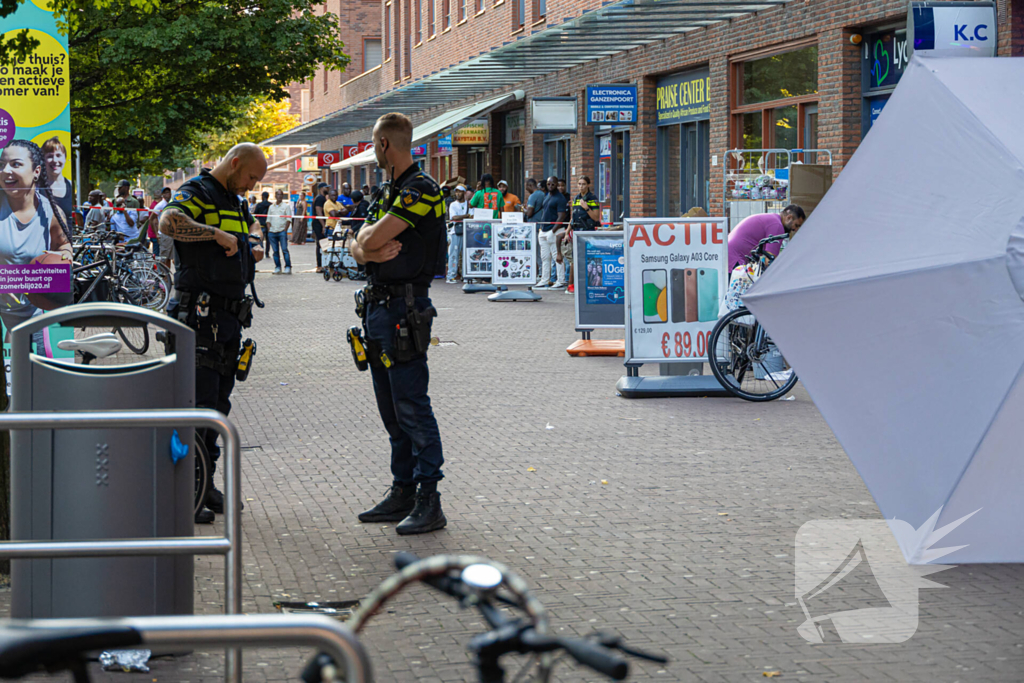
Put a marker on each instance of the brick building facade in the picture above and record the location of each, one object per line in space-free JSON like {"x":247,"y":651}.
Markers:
{"x":647,"y":169}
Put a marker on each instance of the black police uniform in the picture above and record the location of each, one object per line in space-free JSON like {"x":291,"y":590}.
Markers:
{"x":400,"y":383}
{"x":212,"y":298}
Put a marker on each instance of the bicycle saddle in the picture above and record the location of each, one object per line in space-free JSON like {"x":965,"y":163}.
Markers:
{"x":26,"y":649}
{"x":100,"y":345}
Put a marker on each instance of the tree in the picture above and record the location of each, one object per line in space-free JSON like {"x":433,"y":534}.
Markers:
{"x":264,"y":119}
{"x":150,"y":78}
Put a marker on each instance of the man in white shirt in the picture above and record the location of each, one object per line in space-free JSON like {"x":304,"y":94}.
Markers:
{"x":279,"y":217}
{"x":165,"y":242}
{"x":126,"y":215}
{"x":458,"y":211}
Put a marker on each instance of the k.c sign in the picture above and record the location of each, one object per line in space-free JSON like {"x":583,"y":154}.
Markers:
{"x":952,"y":29}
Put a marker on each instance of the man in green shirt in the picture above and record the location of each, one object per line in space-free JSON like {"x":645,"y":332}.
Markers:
{"x":489,"y":197}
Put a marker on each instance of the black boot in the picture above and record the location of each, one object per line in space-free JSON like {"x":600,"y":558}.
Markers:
{"x":426,"y":515}
{"x":204,"y":516}
{"x":394,"y":508}
{"x":215,"y":500}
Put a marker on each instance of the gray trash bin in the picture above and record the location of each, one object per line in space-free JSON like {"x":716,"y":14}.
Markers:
{"x":102,"y":483}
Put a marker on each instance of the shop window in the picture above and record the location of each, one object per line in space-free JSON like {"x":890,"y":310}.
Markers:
{"x":779,"y":77}
{"x":775,"y":100}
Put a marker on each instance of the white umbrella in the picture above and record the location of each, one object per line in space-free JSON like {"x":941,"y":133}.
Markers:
{"x":899,"y":305}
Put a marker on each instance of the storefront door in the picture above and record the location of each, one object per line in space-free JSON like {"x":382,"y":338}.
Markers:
{"x":620,"y":175}
{"x":476,"y":166}
{"x":512,"y":169}
{"x":556,"y":158}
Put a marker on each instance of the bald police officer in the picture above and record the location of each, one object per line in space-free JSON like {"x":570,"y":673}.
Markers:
{"x":218,"y":243}
{"x":400,"y":252}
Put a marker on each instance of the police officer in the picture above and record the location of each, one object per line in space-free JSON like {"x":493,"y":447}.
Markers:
{"x":218,"y":243}
{"x":399,"y":251}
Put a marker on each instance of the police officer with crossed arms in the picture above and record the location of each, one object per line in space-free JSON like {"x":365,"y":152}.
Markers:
{"x":218,"y":243}
{"x":400,"y":252}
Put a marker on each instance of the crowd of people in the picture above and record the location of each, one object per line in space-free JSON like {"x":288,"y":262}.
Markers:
{"x":548,"y":204}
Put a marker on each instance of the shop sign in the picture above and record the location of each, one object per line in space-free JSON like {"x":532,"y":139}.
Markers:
{"x":877,"y":104}
{"x":349,"y":151}
{"x":309,"y":163}
{"x":614,"y":104}
{"x":684,"y":97}
{"x":363,"y":146}
{"x":473,"y":133}
{"x":419,"y":151}
{"x":325,"y":159}
{"x":952,"y":29}
{"x":554,"y":114}
{"x":515,"y":127}
{"x":885,"y":59}
{"x":444,"y":144}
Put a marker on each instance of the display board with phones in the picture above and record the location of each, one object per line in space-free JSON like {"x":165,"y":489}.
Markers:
{"x":477,"y":261}
{"x":600,"y":279}
{"x":676,"y":277}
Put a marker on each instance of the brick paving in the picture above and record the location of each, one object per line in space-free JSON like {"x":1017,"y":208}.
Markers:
{"x":648,"y":554}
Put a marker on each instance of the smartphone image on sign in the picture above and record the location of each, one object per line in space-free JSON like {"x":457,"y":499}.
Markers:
{"x":655,"y":296}
{"x":707,"y":294}
{"x":677,"y":295}
{"x":690,"y":287}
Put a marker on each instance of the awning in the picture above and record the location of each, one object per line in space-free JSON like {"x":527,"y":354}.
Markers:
{"x":617,"y":27}
{"x":425,"y":131}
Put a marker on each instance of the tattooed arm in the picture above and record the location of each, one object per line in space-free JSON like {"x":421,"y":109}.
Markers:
{"x":174,"y":223}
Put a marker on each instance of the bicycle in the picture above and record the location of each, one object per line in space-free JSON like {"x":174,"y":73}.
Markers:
{"x":100,"y":277}
{"x":489,"y":586}
{"x":743,"y":357}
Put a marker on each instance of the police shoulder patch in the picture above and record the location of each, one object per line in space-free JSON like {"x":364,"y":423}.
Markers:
{"x":410,"y":196}
{"x":181,"y":196}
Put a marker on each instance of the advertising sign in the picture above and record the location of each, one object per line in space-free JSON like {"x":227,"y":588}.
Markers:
{"x":35,"y":124}
{"x":514,"y":253}
{"x":952,"y":29}
{"x":444,"y":144}
{"x":600,"y":279}
{"x":419,"y":151}
{"x":349,"y":151}
{"x":363,"y":146}
{"x":515,"y":127}
{"x":325,"y":159}
{"x":611,"y":104}
{"x":684,"y":97}
{"x":675,"y":281}
{"x":477,"y":246}
{"x":473,"y":133}
{"x":884,"y":59}
{"x":309,"y":164}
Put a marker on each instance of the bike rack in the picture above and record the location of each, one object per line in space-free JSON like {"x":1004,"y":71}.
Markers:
{"x":235,"y":631}
{"x":229,"y":545}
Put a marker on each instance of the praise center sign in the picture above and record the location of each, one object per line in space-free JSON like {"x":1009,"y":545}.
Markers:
{"x":676,"y":277}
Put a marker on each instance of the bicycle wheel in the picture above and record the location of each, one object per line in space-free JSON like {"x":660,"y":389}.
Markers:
{"x":202,"y":473}
{"x":134,"y":337}
{"x":146,"y":286}
{"x":746,"y":361}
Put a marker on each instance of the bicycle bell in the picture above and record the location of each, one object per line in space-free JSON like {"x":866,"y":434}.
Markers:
{"x":482,"y":577}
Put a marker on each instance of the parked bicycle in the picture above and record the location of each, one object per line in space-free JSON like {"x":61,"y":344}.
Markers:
{"x":491,"y":588}
{"x":744,"y":359}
